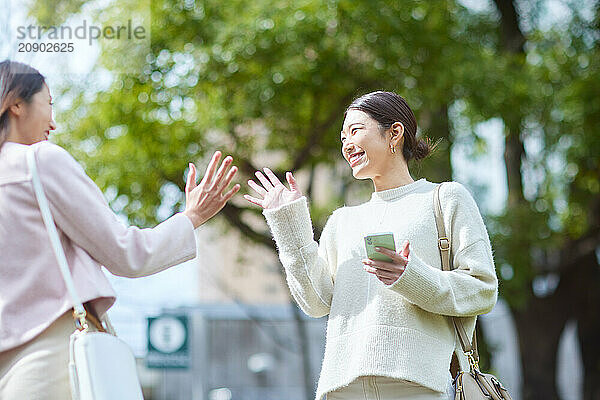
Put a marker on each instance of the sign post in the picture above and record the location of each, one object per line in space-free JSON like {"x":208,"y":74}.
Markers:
{"x":168,"y":342}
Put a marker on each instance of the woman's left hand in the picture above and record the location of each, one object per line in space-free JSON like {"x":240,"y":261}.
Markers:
{"x":388,"y":272}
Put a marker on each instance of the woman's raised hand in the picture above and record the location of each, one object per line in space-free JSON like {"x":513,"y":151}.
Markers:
{"x":273,"y":193}
{"x":204,"y":200}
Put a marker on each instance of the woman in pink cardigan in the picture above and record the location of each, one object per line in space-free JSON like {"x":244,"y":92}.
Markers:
{"x":35,"y":310}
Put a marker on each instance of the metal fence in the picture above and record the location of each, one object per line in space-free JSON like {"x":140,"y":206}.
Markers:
{"x":241,"y":352}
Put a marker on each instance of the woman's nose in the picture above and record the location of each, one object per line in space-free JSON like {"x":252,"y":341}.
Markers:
{"x":52,"y":125}
{"x":347,"y":148}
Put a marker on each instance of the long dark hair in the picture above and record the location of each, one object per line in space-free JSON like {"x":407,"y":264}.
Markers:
{"x":18,"y":82}
{"x":387,"y":108}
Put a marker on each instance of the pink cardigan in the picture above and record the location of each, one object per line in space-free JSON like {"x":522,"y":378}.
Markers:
{"x":32,"y":291}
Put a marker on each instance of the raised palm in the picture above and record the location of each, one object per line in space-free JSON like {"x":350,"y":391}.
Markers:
{"x":273,"y":193}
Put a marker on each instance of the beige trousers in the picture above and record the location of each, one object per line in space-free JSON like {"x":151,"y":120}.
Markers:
{"x":38,"y":369}
{"x":383,"y":388}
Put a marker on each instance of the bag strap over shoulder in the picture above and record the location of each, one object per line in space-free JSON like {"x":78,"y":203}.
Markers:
{"x":79,"y":311}
{"x":469,"y":348}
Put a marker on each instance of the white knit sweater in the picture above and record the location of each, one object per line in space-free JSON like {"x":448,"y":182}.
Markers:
{"x":399,"y":331}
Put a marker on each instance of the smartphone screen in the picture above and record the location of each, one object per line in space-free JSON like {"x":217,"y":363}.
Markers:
{"x":385,"y":240}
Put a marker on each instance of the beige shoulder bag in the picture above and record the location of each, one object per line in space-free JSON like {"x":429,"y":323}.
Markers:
{"x":472,"y":385}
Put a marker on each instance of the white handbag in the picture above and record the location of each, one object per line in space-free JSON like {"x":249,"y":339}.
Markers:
{"x":101,"y":366}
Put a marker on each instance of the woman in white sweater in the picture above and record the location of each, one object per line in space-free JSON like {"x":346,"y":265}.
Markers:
{"x":388,"y":335}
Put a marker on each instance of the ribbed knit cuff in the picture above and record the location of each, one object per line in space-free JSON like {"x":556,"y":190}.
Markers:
{"x":418,"y":283}
{"x":290,"y":224}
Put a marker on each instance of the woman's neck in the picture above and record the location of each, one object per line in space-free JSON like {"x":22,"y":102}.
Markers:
{"x":396,"y":176}
{"x":13,"y":134}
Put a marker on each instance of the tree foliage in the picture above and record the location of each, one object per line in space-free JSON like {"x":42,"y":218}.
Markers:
{"x":262,"y":77}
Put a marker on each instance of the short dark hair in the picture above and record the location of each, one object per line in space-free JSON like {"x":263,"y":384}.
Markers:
{"x":387,"y":108}
{"x":18,"y":82}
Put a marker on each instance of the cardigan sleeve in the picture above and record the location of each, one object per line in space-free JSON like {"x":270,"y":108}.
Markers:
{"x":308,"y":265}
{"x":82,"y":213}
{"x":471,"y":288}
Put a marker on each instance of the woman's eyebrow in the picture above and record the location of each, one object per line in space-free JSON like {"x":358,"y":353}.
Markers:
{"x":355,"y":123}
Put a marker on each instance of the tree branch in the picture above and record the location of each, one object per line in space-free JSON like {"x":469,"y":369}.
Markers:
{"x":514,"y":151}
{"x":581,"y":247}
{"x":318,"y":131}
{"x":513,"y":39}
{"x":233,"y":214}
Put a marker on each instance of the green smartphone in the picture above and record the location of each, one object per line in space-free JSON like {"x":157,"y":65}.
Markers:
{"x":385,"y":240}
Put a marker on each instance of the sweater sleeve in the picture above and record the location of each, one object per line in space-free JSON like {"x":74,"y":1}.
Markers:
{"x":82,"y":213}
{"x":308,"y":265}
{"x":471,"y":288}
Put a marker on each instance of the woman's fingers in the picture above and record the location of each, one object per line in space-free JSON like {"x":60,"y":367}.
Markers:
{"x":265,"y":182}
{"x":224,"y":182}
{"x":387,"y":278}
{"x":387,"y":272}
{"x":218,"y":179}
{"x":272,"y":177}
{"x":253,"y":200}
{"x":386,"y":275}
{"x":381,"y":273}
{"x":292,"y":182}
{"x":191,"y":178}
{"x":406,"y":249}
{"x":231,"y":192}
{"x":398,"y":258}
{"x":257,"y":188}
{"x":210,"y":170}
{"x":382,"y":265}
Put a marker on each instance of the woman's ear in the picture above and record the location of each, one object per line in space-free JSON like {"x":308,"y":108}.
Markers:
{"x":17,"y":109}
{"x":397,"y":133}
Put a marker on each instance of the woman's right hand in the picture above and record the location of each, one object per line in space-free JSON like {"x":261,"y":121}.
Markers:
{"x":273,"y":193}
{"x":204,"y":200}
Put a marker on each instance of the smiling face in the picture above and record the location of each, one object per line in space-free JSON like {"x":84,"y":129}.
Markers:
{"x":33,"y":121}
{"x":364,"y":146}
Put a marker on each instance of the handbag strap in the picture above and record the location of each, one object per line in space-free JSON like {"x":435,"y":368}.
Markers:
{"x":469,"y":348}
{"x":79,"y":311}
